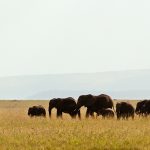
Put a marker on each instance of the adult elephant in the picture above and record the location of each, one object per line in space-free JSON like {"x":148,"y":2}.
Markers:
{"x":146,"y":108}
{"x":94,"y":103}
{"x":124,"y":110}
{"x":36,"y":111}
{"x":64,"y":105}
{"x":140,"y":108}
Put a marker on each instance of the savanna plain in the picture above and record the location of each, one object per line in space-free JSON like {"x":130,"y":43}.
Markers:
{"x":20,"y":132}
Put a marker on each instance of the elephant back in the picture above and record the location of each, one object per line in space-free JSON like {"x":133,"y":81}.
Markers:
{"x":104,"y":101}
{"x":146,"y":107}
{"x":68,"y":103}
{"x":69,"y":100}
{"x":124,"y":107}
{"x":139,"y":106}
{"x":36,"y":111}
{"x":85,"y":100}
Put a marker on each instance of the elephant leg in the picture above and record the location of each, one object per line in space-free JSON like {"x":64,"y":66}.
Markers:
{"x":92,"y":114}
{"x":144,"y":114}
{"x":132,"y":116}
{"x":73,"y":116}
{"x":59,"y":113}
{"x":123,"y":116}
{"x":103,"y":116}
{"x":127,"y":116}
{"x":118,"y":117}
{"x":87,"y":113}
{"x":97,"y":114}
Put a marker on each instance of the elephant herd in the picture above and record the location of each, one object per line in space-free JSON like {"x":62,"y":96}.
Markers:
{"x":101,"y":105}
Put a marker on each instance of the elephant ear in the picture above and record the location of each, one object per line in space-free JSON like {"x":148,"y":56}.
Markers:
{"x":89,"y":100}
{"x":54,"y":102}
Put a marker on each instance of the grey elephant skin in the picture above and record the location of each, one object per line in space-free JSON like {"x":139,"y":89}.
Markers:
{"x":94,"y":103}
{"x":37,"y":111}
{"x":64,"y":105}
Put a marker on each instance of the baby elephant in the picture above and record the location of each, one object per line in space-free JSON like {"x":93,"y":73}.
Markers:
{"x":124,"y":110}
{"x":106,"y":113}
{"x":37,"y":111}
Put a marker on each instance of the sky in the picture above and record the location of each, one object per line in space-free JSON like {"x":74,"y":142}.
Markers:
{"x":64,"y":36}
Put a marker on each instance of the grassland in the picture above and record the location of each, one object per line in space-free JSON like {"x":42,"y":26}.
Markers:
{"x":19,"y":132}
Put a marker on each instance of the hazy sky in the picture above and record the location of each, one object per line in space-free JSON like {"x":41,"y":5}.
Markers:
{"x":66,"y":36}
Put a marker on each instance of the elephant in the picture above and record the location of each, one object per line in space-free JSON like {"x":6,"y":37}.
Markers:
{"x":146,"y":108}
{"x":140,"y":108}
{"x":66,"y":105}
{"x":106,"y":112}
{"x":94,"y":103}
{"x":36,"y":111}
{"x":124,"y":110}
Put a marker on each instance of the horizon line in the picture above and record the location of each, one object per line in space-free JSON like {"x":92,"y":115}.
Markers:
{"x":73,"y":73}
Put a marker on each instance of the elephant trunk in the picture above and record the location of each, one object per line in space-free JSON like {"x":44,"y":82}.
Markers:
{"x":77,"y":109}
{"x":137,"y":110}
{"x":29,"y":112}
{"x":50,"y":110}
{"x":79,"y":105}
{"x":79,"y":114}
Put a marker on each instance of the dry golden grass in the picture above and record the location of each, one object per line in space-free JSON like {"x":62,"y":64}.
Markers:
{"x":18,"y":131}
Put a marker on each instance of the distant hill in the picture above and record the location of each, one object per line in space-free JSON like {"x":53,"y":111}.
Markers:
{"x":133,"y":84}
